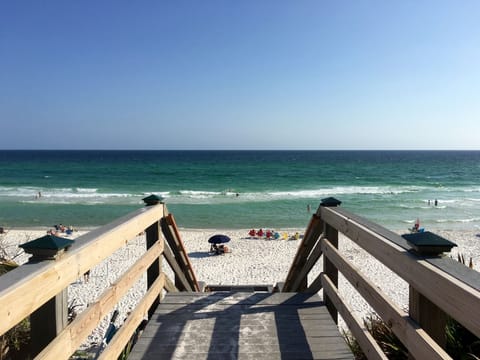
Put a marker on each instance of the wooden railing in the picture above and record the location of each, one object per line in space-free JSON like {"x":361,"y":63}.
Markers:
{"x":38,"y":289}
{"x":439,"y":287}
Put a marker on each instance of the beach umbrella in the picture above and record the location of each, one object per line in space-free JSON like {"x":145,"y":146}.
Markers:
{"x":219,"y":239}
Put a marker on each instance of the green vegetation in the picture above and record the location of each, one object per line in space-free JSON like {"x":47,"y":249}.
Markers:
{"x":14,"y":342}
{"x":386,"y":339}
{"x":461,"y":343}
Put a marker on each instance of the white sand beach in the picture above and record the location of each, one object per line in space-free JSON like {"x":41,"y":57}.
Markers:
{"x":251,"y":261}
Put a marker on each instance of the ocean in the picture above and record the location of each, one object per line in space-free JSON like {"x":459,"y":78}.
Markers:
{"x":241,"y":189}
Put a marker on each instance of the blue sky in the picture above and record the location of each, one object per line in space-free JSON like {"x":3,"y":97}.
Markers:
{"x":240,"y":74}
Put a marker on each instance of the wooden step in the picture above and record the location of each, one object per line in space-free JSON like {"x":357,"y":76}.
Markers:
{"x":239,"y":288}
{"x":241,"y":325}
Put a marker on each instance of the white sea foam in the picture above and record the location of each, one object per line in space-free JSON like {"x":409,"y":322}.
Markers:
{"x":87,"y":196}
{"x":219,"y":196}
{"x":412,"y":198}
{"x":86,"y":190}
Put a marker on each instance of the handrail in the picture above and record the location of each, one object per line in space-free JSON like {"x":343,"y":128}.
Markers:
{"x":30,"y":287}
{"x":445,"y":284}
{"x":48,"y":278}
{"x":73,"y":335}
{"x":449,"y":293}
{"x":405,"y":328}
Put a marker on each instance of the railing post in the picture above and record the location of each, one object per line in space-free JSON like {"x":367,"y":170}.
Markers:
{"x":329,"y":269}
{"x":48,"y":321}
{"x":428,"y":315}
{"x":52,"y":317}
{"x":153,"y":272}
{"x":152,"y":234}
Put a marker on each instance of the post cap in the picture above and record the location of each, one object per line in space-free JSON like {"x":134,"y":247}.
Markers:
{"x":152,"y":199}
{"x":428,"y":243}
{"x":47,"y":247}
{"x":330,"y":201}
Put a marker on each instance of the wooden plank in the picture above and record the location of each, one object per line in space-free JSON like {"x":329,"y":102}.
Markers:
{"x":74,"y":334}
{"x":316,"y":285}
{"x":179,"y":275}
{"x":450,"y":266}
{"x":430,"y":317}
{"x":445,"y":291}
{"x":241,"y":326}
{"x":311,"y":261}
{"x":169,"y":285}
{"x":179,"y":256}
{"x":124,"y":334}
{"x":313,"y":232}
{"x":330,"y":269}
{"x":152,"y":235}
{"x":183,"y":251}
{"x":48,"y":321}
{"x":366,"y":341}
{"x":26,"y":288}
{"x":410,"y":334}
{"x":239,"y":298}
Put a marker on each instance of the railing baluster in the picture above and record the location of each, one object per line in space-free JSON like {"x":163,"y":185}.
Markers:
{"x":153,"y":272}
{"x":331,"y":234}
{"x":331,"y":270}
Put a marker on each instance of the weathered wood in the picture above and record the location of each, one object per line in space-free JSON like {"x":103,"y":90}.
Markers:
{"x":181,"y":258}
{"x":302,"y":276}
{"x":183,"y":252}
{"x":315,"y":286}
{"x":48,"y":278}
{"x":239,"y":288}
{"x":48,"y":321}
{"x":124,"y":334}
{"x":74,"y":334}
{"x":410,"y":334}
{"x":445,"y":263}
{"x":169,"y":285}
{"x":241,"y":326}
{"x":442,"y":289}
{"x":330,"y":269}
{"x":430,"y":317}
{"x":152,"y":234}
{"x":313,"y":232}
{"x":181,"y":281}
{"x":366,"y":341}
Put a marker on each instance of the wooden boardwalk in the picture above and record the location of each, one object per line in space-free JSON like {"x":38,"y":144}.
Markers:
{"x":241,"y":325}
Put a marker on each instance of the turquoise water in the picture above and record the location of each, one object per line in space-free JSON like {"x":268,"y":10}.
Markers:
{"x":241,"y":189}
